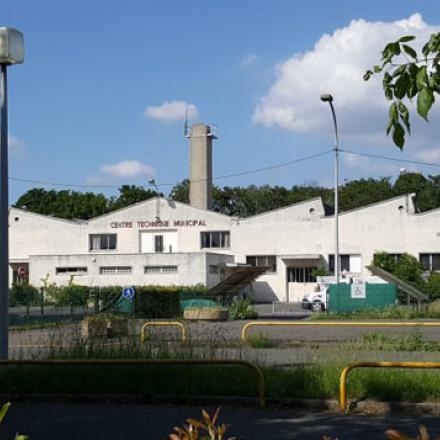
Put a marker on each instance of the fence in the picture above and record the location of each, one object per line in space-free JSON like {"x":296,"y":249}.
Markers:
{"x":383,"y":364}
{"x":163,"y":324}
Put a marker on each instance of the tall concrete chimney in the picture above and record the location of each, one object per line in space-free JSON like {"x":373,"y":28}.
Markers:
{"x":200,"y":159}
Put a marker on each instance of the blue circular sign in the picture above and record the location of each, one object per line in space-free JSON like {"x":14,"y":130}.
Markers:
{"x":128,"y":292}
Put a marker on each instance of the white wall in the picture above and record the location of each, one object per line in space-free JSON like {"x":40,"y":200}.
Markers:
{"x":300,"y":229}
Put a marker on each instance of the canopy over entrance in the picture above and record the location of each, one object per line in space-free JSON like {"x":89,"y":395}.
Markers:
{"x":235,"y":279}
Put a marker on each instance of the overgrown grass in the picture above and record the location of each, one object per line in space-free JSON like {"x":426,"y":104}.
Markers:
{"x":431,"y":310}
{"x":379,"y":341}
{"x":260,"y":341}
{"x":319,"y":381}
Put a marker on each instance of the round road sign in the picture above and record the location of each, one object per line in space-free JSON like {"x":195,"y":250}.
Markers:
{"x":128,"y":292}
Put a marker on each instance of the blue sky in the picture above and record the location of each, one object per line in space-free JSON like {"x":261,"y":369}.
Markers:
{"x":254,"y":68}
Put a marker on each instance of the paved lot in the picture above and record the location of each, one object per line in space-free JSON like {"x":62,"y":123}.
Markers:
{"x":116,"y":422}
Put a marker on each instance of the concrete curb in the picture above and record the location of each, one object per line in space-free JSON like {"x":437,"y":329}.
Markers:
{"x":368,"y":407}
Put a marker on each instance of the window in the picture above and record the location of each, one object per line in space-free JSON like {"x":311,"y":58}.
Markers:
{"x":215,"y":239}
{"x":430,"y":262}
{"x":70,"y":270}
{"x":349,"y":263}
{"x":114,"y":270}
{"x":160,"y":269}
{"x":100,"y":242}
{"x":158,"y":243}
{"x":213,"y":269}
{"x":263,"y":260}
{"x":301,"y":275}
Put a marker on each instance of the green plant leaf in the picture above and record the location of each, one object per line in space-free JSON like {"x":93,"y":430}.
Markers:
{"x":404,"y":116}
{"x":406,"y":38}
{"x":392,"y":112}
{"x":402,"y":85}
{"x":367,"y":75}
{"x":409,"y":51}
{"x":377,"y":69}
{"x":422,"y":78}
{"x":425,"y":99}
{"x":399,"y":135}
{"x":4,"y":410}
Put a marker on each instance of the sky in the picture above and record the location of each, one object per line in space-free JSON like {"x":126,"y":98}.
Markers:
{"x":101,"y":97}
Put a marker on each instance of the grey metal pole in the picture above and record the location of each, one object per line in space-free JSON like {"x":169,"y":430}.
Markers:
{"x":4,"y":215}
{"x":336,"y":149}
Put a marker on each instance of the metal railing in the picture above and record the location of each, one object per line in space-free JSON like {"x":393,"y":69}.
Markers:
{"x":258,"y":373}
{"x":381,"y":364}
{"x":247,"y":326}
{"x":163,"y":324}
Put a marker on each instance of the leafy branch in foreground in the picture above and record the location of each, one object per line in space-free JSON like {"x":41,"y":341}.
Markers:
{"x":418,"y":78}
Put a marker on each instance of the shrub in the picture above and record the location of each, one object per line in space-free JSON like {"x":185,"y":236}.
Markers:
{"x":242,"y":309}
{"x":24,"y":295}
{"x":155,"y":302}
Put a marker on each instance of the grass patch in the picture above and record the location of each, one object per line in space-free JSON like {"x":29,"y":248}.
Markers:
{"x":319,"y":381}
{"x":384,"y":342}
{"x":260,"y":341}
{"x":430,"y":311}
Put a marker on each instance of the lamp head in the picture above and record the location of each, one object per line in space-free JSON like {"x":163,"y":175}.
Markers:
{"x":152,"y":182}
{"x":11,"y":46}
{"x":327,"y":98}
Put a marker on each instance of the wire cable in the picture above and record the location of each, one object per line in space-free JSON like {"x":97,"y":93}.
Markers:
{"x":393,"y":159}
{"x":225,"y":176}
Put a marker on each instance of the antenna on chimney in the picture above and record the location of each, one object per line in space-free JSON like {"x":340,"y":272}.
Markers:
{"x":185,"y":124}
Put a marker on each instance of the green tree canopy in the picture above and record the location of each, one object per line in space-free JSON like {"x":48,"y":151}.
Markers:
{"x":417,"y":78}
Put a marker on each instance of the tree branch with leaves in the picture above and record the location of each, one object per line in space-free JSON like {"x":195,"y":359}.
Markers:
{"x":418,"y":78}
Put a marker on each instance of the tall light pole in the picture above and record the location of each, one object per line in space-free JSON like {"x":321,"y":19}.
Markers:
{"x":11,"y":52}
{"x":329,"y":98}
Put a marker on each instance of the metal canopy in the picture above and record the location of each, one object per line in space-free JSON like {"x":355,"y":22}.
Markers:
{"x":236,"y":278}
{"x":402,"y":285}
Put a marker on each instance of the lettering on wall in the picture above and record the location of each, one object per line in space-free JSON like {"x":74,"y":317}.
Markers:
{"x":157,"y":224}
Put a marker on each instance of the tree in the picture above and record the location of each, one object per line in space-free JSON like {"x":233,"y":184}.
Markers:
{"x":418,"y":78}
{"x":129,"y":195}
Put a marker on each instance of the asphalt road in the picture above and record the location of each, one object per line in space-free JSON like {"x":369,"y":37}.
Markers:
{"x":116,"y":422}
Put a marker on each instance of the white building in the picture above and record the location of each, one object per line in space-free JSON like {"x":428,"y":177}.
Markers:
{"x":189,"y":245}
{"x":163,"y":242}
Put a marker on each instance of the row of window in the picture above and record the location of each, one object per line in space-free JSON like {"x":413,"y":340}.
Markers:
{"x":208,"y":240}
{"x":114,"y":270}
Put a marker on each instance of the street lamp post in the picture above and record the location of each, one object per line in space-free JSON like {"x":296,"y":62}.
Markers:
{"x":152,"y":182}
{"x":11,"y":52}
{"x":329,"y":98}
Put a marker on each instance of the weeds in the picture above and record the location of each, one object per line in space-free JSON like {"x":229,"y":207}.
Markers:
{"x":260,"y":341}
{"x":381,"y":341}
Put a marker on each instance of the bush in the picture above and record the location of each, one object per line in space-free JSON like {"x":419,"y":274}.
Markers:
{"x":156,"y":302}
{"x":242,"y":309}
{"x":24,"y":295}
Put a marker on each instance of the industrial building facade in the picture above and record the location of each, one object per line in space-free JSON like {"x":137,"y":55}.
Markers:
{"x":163,"y":242}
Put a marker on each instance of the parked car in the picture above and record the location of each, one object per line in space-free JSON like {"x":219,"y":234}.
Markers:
{"x":315,"y":301}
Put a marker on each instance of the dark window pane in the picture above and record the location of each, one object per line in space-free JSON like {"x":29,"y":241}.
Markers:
{"x":345,"y":262}
{"x":424,"y":260}
{"x":251,"y":260}
{"x":331,"y":263}
{"x":112,"y":241}
{"x":435,"y":262}
{"x":158,"y":243}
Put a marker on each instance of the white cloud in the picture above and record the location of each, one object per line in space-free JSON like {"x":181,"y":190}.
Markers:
{"x":368,"y":166}
{"x":128,"y":169}
{"x":15,"y":145}
{"x":336,"y":65}
{"x":171,"y":111}
{"x":249,"y":59}
{"x":429,"y":155}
